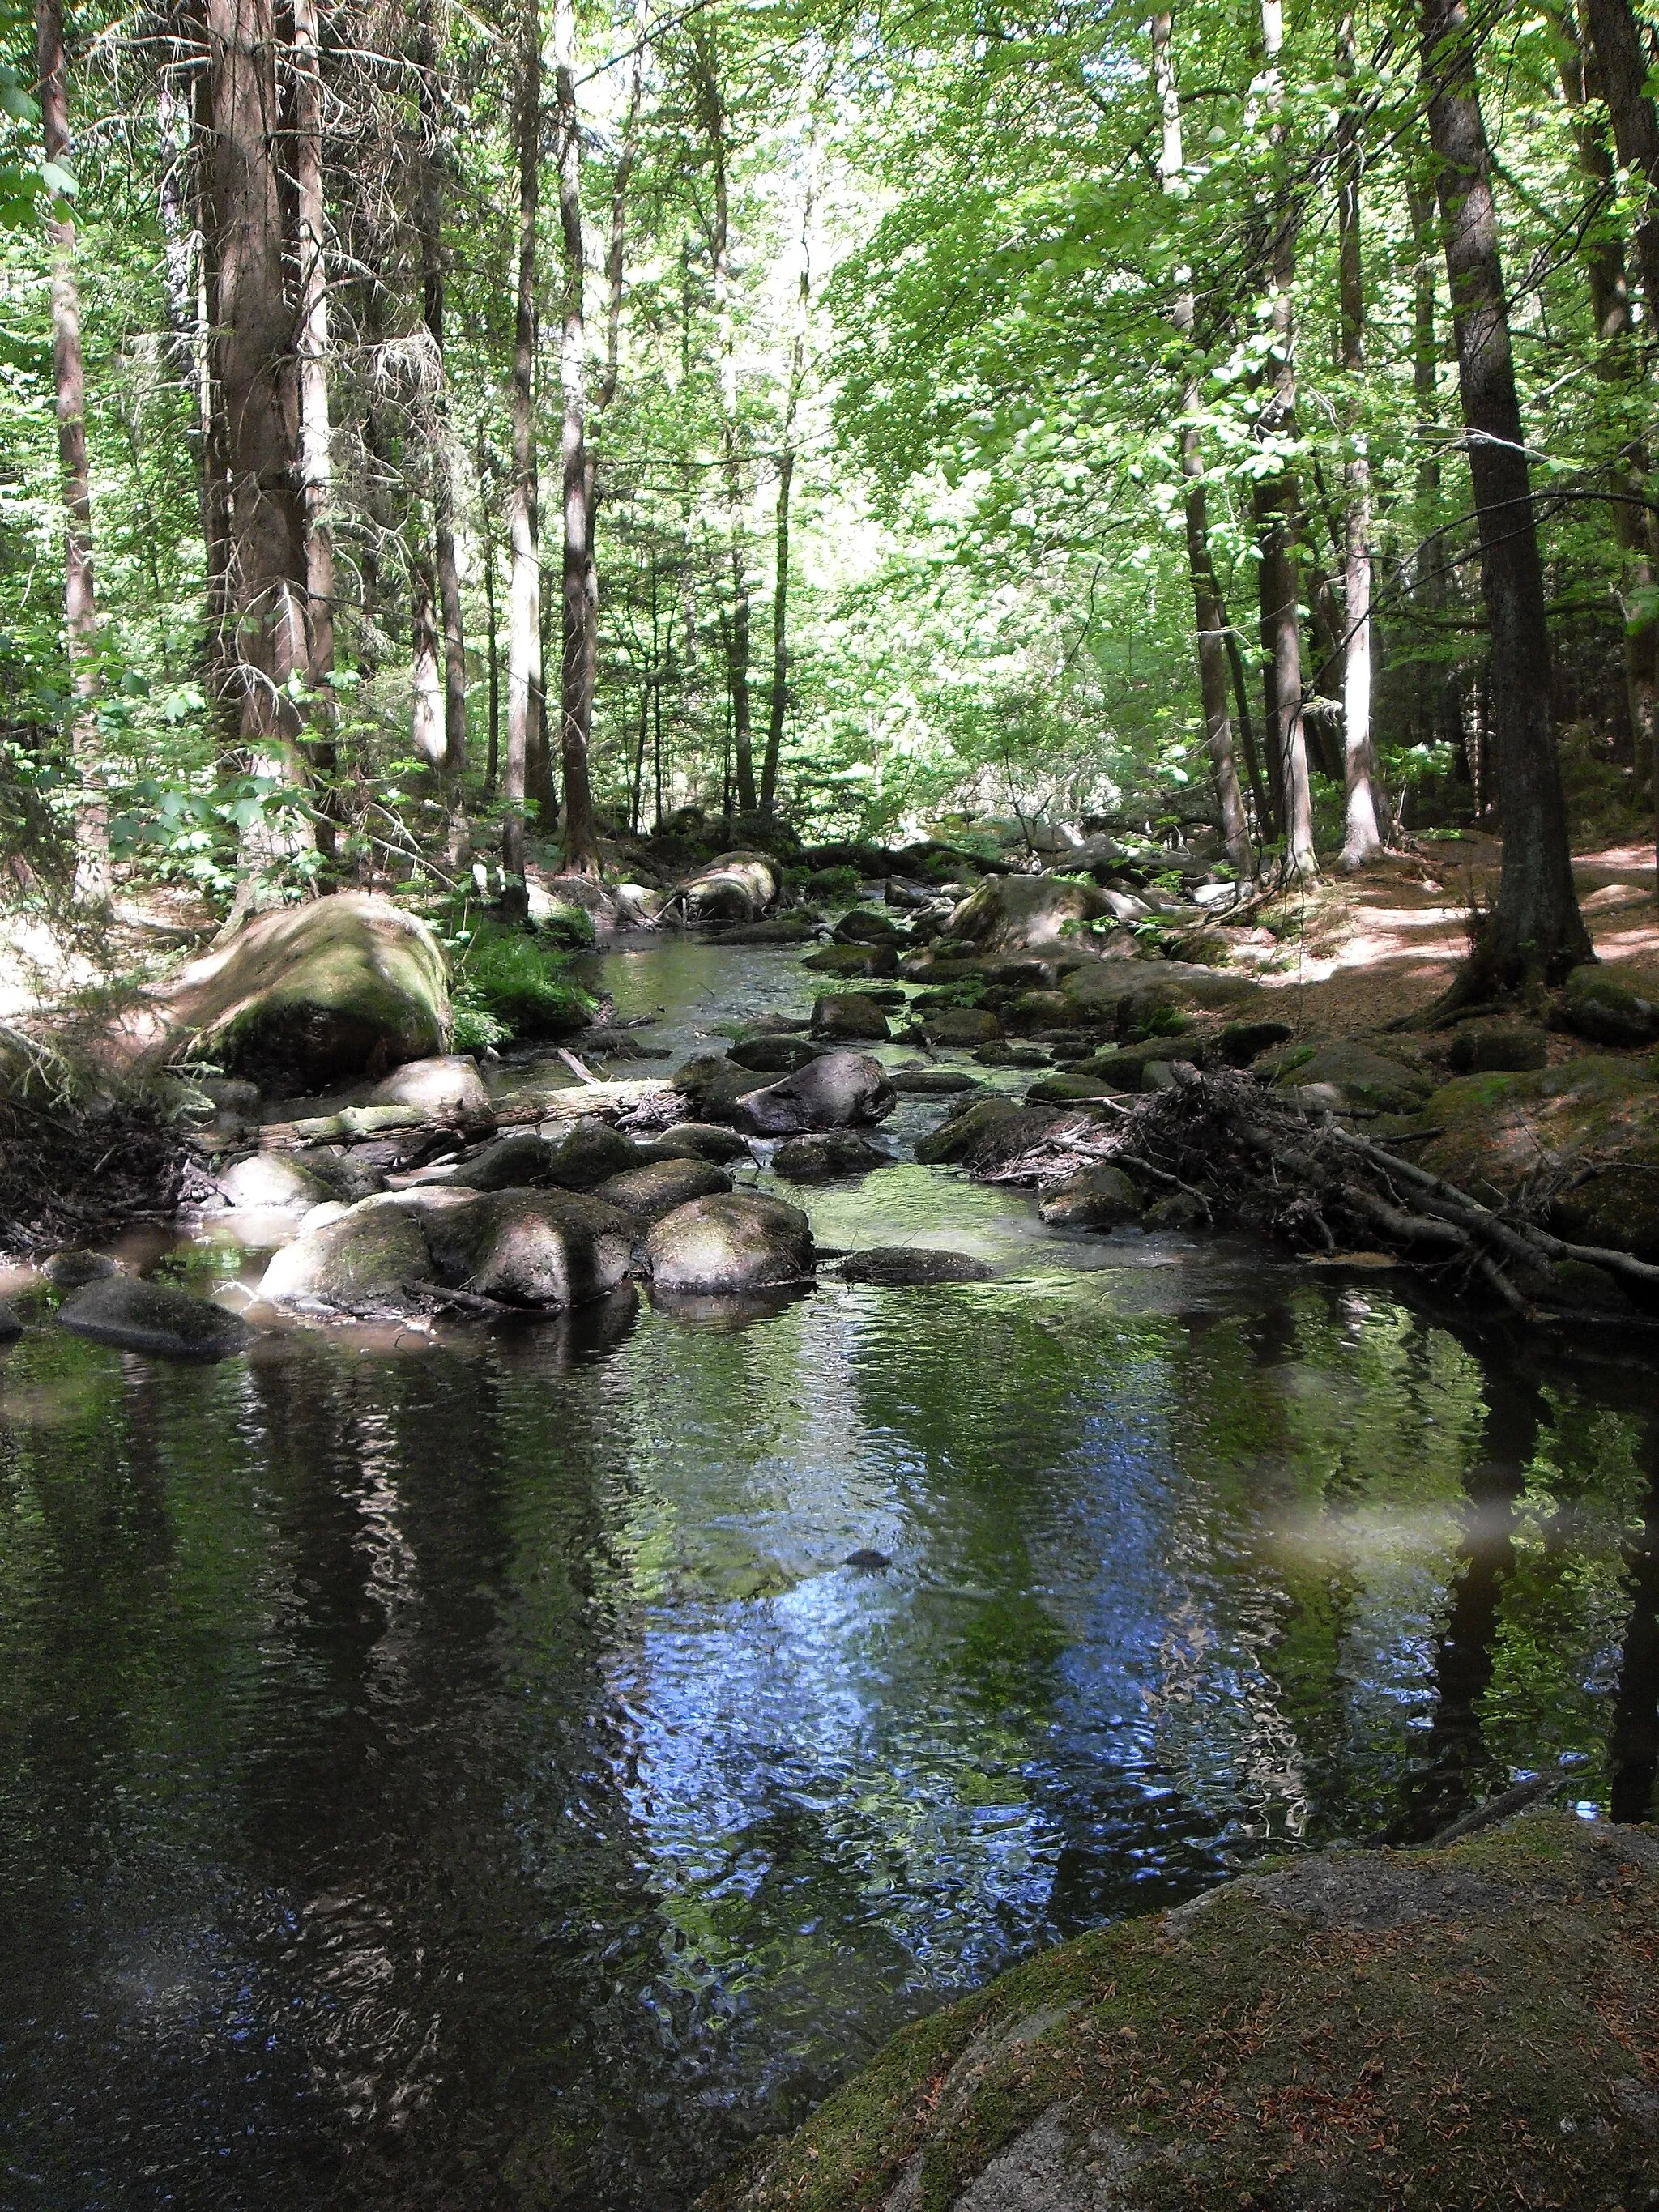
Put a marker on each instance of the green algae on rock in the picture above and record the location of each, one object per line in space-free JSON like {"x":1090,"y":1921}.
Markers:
{"x":1474,"y":2026}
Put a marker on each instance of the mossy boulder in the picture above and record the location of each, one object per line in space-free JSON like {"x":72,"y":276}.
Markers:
{"x":132,"y":1314}
{"x":834,"y":1090}
{"x":1583,"y":1138}
{"x":532,"y":1248}
{"x":1360,"y":1076}
{"x":303,"y":996}
{"x":827,"y":1153}
{"x":1066,"y":1090}
{"x":447,"y":1089}
{"x":1141,"y":997}
{"x":364,"y":1259}
{"x":1094,"y":1198}
{"x":849,"y":1017}
{"x":1613,"y":1004}
{"x":724,"y":1245}
{"x":648,"y":1192}
{"x":1452,"y":2028}
{"x":963,"y":1027}
{"x":854,"y":960}
{"x":868,"y":925}
{"x":1500,"y":1047}
{"x":778,"y":1055}
{"x":913,"y":1266}
{"x":1022,"y":914}
{"x":733,"y":887}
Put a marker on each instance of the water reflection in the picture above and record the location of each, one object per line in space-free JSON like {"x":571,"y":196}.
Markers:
{"x":478,"y":1778}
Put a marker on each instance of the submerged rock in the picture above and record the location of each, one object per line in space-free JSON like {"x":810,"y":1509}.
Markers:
{"x":68,"y":1269}
{"x":851,"y":1015}
{"x":1482,"y":2010}
{"x":912,"y":1266}
{"x":739,"y":1242}
{"x":136,"y":1316}
{"x":830,"y":1153}
{"x":648,"y":1193}
{"x":836,"y":1090}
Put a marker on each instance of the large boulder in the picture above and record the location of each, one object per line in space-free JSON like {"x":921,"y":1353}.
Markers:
{"x":836,"y":1091}
{"x":827,"y":1152}
{"x":1613,"y":1004}
{"x":312,"y":995}
{"x":648,"y":1193}
{"x":362,"y":1259}
{"x":136,"y":1316}
{"x":1140,"y":995}
{"x":866,"y":925}
{"x":963,"y":1027}
{"x":728,"y":1243}
{"x":930,"y":1082}
{"x":1584,"y":1135}
{"x":715,"y":1084}
{"x":953,"y":1138}
{"x":519,"y":1158}
{"x":1359,"y":1075}
{"x":1100,"y":1197}
{"x":271,"y":1179}
{"x":589,"y":1154}
{"x":849,"y":1016}
{"x":447,"y":1089}
{"x":533,"y":1248}
{"x":735,"y":887}
{"x":871,"y":961}
{"x":697,"y":1140}
{"x":1497,"y":1046}
{"x":1023,"y":913}
{"x":777,"y":1056}
{"x":1459,"y":2027}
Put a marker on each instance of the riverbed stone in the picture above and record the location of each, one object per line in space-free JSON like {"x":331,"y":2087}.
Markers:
{"x":870,"y":960}
{"x":1488,"y":1047}
{"x":648,"y":1192}
{"x":1101,"y":1197}
{"x":448,"y":1088}
{"x":533,"y":1248}
{"x":950,"y":1139}
{"x":827,"y":1152}
{"x":271,"y":1179}
{"x":363,"y":1259}
{"x":922,"y":1082}
{"x":849,"y":1017}
{"x":72,"y":1267}
{"x":136,"y":1315}
{"x":1613,"y":1003}
{"x":1384,"y":1995}
{"x":912,"y":1266}
{"x":697,"y":1140}
{"x":774,"y":1055}
{"x":866,"y":925}
{"x":729,"y":1243}
{"x":837,"y":1090}
{"x":963,"y":1027}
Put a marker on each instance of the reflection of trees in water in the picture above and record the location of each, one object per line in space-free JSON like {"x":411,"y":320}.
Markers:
{"x":1633,"y":1748}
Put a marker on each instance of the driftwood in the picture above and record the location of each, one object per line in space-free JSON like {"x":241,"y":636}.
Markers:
{"x":1255,"y":1159}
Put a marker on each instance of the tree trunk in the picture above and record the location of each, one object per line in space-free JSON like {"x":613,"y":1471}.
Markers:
{"x":426,"y":721}
{"x":719,"y":246}
{"x":582,"y":851}
{"x":80,"y":601}
{"x":1276,"y":505}
{"x":779,"y":706}
{"x":1435,"y":722}
{"x":487,"y":540}
{"x":430,"y":220}
{"x":316,"y":460}
{"x":254,"y":358}
{"x":524,"y":584}
{"x":1535,"y":931}
{"x":1206,"y":599}
{"x":1361,"y":842}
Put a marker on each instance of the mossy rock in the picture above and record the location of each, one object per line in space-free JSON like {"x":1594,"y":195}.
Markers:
{"x":1142,"y":996}
{"x":1453,"y":2028}
{"x":1613,"y":1004}
{"x":1363,"y":1077}
{"x":1539,"y":1129}
{"x":1023,"y":913}
{"x":313,"y":994}
{"x":867,"y":960}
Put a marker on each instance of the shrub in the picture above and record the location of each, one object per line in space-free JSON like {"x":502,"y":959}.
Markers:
{"x":509,"y":984}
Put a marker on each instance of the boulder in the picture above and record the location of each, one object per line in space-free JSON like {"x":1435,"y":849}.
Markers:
{"x":866,"y":925}
{"x":11,"y":1323}
{"x":1094,"y":1198}
{"x":953,"y":1137}
{"x":312,"y":995}
{"x":70,"y":1269}
{"x":1614,"y":1005}
{"x":1041,"y":1010}
{"x":836,"y":1091}
{"x":1180,"y":1209}
{"x":1022,"y":914}
{"x":1491,"y":1048}
{"x":961,"y":1026}
{"x":590,"y":1153}
{"x":519,"y":1158}
{"x":796,"y":928}
{"x":735,"y":1242}
{"x":447,"y":1089}
{"x":1066,"y":1090}
{"x":715,"y":1084}
{"x":829,"y":1152}
{"x":1241,"y":1042}
{"x":985,"y":1134}
{"x":850,"y":1015}
{"x":697,"y":1140}
{"x":1002,"y":1054}
{"x":136,"y":1316}
{"x":1588,"y":1130}
{"x":271,"y":1179}
{"x":360,"y":1261}
{"x":1123,"y":1067}
{"x":851,"y":960}
{"x":1255,"y":2045}
{"x":775,"y":1055}
{"x":1361,"y":1077}
{"x":912,"y":1266}
{"x":648,"y":1193}
{"x":734,"y":887}
{"x":1136,"y":995}
{"x":930,"y":1082}
{"x":533,"y":1248}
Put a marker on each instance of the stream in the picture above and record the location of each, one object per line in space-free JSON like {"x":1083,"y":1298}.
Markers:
{"x":461,"y":1771}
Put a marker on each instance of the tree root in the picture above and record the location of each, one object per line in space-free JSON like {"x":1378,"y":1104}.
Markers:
{"x":1257,"y":1160}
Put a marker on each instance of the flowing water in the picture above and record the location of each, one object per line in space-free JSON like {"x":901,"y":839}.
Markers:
{"x":463,"y":1772}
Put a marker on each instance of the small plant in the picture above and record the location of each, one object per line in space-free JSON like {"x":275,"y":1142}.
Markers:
{"x":508,"y":984}
{"x":1156,"y":1022}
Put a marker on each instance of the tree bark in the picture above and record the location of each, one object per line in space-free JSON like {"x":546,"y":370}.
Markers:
{"x":523,"y":589}
{"x":778,"y":707}
{"x":582,"y":851}
{"x":80,"y":598}
{"x":712,"y":103}
{"x":487,"y":540}
{"x":1362,"y":842}
{"x":1276,"y":502}
{"x":426,"y":735}
{"x":1535,"y":931}
{"x":1209,"y":624}
{"x":255,"y":361}
{"x":316,"y":460}
{"x":430,"y":220}
{"x":1435,"y":722}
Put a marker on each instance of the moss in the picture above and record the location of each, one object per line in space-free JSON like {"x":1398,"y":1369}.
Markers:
{"x":1467,"y":2027}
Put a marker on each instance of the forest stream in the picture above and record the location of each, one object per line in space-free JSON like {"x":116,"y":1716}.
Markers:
{"x":516,"y":1766}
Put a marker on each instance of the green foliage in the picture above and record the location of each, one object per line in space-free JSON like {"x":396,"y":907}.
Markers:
{"x":508,"y":985}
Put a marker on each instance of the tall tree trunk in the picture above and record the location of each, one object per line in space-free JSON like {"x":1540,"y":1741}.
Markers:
{"x":524,"y":584}
{"x":493,"y":659}
{"x":582,"y":851}
{"x":736,"y":632}
{"x":1276,"y":498}
{"x":429,"y":222}
{"x":1209,"y":624}
{"x":80,"y":600}
{"x":778,"y":707}
{"x":1435,"y":722}
{"x":1535,"y":931}
{"x":254,"y":357}
{"x":426,"y":736}
{"x":316,"y":460}
{"x":1361,"y":843}
{"x":1623,"y":58}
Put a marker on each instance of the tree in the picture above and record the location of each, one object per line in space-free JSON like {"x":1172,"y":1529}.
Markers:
{"x":1536,"y":932}
{"x":524,"y":584}
{"x":1362,"y":842}
{"x":316,"y":461}
{"x":579,"y":599}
